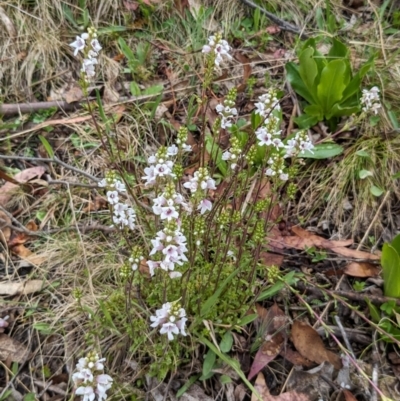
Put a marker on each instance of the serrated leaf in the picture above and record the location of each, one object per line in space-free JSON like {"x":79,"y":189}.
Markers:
{"x":323,"y":151}
{"x":364,"y":174}
{"x":390,"y":261}
{"x":376,"y":191}
{"x":226,"y":342}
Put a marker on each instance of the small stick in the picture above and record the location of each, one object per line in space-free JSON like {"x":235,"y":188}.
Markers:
{"x":344,"y":336}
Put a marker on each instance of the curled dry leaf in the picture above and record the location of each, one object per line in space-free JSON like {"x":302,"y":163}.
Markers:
{"x":310,"y":345}
{"x":361,"y":269}
{"x":265,"y":395}
{"x":6,"y":191}
{"x":12,"y":350}
{"x":24,"y":288}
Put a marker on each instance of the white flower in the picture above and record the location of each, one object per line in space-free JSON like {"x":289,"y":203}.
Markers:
{"x":172,"y":320}
{"x":120,"y":186}
{"x":79,"y":44}
{"x":95,"y":45}
{"x":112,"y":197}
{"x":170,"y":329}
{"x":186,"y":147}
{"x":226,"y":155}
{"x":370,"y":100}
{"x":102,"y":183}
{"x":221,"y":49}
{"x":204,"y":205}
{"x":150,"y":176}
{"x":87,"y":393}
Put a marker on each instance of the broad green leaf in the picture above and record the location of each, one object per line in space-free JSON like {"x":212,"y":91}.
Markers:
{"x":390,"y":261}
{"x":364,"y":174}
{"x":332,"y":84}
{"x":294,"y":78}
{"x":376,"y":191}
{"x":112,"y":29}
{"x":256,"y":120}
{"x":314,"y":110}
{"x":308,"y":72}
{"x":396,"y":243}
{"x":322,"y":151}
{"x":340,"y":110}
{"x":214,"y":150}
{"x":337,"y":50}
{"x":29,"y":397}
{"x":289,"y":279}
{"x":68,"y":14}
{"x":305,"y":121}
{"x":44,"y":328}
{"x":224,"y":379}
{"x":209,"y":362}
{"x":47,"y":146}
{"x":247,"y":319}
{"x":226,"y":342}
{"x":363,"y":153}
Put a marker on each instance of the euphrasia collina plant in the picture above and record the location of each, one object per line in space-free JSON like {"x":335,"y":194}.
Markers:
{"x":191,"y":240}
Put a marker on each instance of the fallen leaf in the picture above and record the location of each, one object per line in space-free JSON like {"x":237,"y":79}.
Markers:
{"x":12,"y":350}
{"x":24,"y":288}
{"x":5,"y":230}
{"x":361,"y":269}
{"x":310,"y":345}
{"x":305,"y":239}
{"x":273,"y":330}
{"x":265,"y":395}
{"x":295,"y":358}
{"x":73,"y":94}
{"x":6,"y":191}
{"x":195,"y":393}
{"x":271,"y":259}
{"x":98,"y":203}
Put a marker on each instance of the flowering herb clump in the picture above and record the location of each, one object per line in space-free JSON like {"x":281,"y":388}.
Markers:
{"x":90,"y":380}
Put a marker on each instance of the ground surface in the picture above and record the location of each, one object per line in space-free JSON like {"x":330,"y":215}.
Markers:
{"x":56,"y":238}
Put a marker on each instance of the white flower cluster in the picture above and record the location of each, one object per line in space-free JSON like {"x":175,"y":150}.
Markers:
{"x":298,"y":144}
{"x":219,"y":47}
{"x":161,"y":164}
{"x":234,"y":153}
{"x":172,"y":319}
{"x":269,"y":133}
{"x":370,"y":100}
{"x":277,"y":168}
{"x":123,"y":215}
{"x":198,"y":184}
{"x":226,"y":113}
{"x":88,"y":44}
{"x":267,"y":103}
{"x":90,"y":379}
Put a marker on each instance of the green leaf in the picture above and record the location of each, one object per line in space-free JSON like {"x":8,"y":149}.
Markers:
{"x":111,"y":29}
{"x":29,"y":397}
{"x":396,"y":243}
{"x":305,"y":121}
{"x":373,"y":311}
{"x":234,"y":364}
{"x":209,"y":362}
{"x":364,"y":174}
{"x":340,"y":110}
{"x":332,"y":84}
{"x":68,"y":14}
{"x":363,"y":153}
{"x":256,"y":120}
{"x":153,"y":90}
{"x":294,"y":78}
{"x":226,"y":342}
{"x":338,"y":50}
{"x":187,"y":385}
{"x":126,"y":50}
{"x":135,"y":90}
{"x":322,"y":151}
{"x":47,"y":146}
{"x":314,"y":110}
{"x":247,"y":319}
{"x":224,"y":379}
{"x":214,"y":150}
{"x":214,"y":298}
{"x":44,"y":328}
{"x":308,"y":72}
{"x":390,"y":261}
{"x":376,"y":191}
{"x":289,"y":279}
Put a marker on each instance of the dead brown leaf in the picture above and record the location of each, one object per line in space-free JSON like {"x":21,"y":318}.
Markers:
{"x":361,"y":269}
{"x":349,"y":396}
{"x":6,"y":191}
{"x":12,"y":350}
{"x":310,"y":345}
{"x":265,"y":395}
{"x":295,"y":358}
{"x":73,"y":94}
{"x":24,"y":288}
{"x":305,"y":239}
{"x":273,"y":328}
{"x":271,"y":259}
